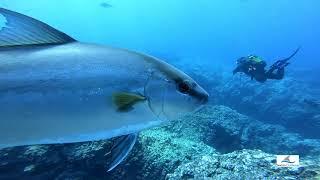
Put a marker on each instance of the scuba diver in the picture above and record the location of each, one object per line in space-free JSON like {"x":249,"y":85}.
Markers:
{"x":254,"y":67}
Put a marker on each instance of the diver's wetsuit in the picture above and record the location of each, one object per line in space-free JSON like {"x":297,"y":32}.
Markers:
{"x":279,"y":74}
{"x":257,"y":70}
{"x":254,"y":67}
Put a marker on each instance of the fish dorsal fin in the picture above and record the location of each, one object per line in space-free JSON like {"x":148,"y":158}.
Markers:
{"x":21,"y":30}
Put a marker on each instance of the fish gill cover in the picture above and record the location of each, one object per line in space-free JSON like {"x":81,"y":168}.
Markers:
{"x":237,"y":135}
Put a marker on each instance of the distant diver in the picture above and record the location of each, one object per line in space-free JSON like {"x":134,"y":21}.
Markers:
{"x":105,"y":5}
{"x":254,"y":67}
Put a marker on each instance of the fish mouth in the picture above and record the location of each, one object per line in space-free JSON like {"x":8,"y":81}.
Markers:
{"x":166,"y":112}
{"x":204,"y":98}
{"x":200,"y":94}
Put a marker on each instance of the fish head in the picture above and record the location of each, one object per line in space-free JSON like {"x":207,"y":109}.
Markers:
{"x":173,"y":94}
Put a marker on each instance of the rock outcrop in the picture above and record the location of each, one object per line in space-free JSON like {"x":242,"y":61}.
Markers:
{"x":293,"y":102}
{"x":243,"y":164}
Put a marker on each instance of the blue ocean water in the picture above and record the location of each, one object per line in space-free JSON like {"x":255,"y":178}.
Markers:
{"x":204,"y":38}
{"x":216,"y":31}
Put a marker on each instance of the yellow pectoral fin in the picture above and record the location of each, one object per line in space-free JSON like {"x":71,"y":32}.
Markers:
{"x":124,"y":100}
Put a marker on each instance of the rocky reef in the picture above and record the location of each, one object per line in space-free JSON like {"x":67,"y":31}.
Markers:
{"x":288,"y":102}
{"x":216,"y":142}
{"x":293,"y":102}
{"x":243,"y":164}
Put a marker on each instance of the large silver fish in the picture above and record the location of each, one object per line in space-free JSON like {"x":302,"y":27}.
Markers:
{"x":54,"y":89}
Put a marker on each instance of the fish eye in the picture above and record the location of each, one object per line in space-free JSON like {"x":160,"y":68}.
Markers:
{"x":184,"y":87}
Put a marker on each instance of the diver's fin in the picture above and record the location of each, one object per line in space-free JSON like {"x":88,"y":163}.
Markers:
{"x":22,"y":30}
{"x":125,"y":100}
{"x":283,"y":62}
{"x":292,"y":55}
{"x":121,"y":148}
